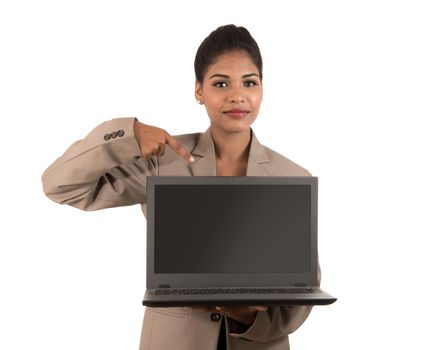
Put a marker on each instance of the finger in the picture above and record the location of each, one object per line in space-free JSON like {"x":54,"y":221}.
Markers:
{"x":204,"y":308}
{"x":232,"y":312}
{"x":259,"y":308}
{"x":172,"y":142}
{"x":161,"y":149}
{"x":241,"y":308}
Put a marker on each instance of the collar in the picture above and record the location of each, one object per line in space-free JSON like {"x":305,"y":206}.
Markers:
{"x":205,"y":164}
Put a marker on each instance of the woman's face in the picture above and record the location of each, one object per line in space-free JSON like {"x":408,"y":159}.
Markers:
{"x":231,"y":92}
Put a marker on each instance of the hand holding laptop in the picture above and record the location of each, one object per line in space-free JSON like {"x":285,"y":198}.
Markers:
{"x":243,"y":314}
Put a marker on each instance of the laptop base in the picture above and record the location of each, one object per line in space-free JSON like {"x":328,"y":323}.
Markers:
{"x":318,"y":298}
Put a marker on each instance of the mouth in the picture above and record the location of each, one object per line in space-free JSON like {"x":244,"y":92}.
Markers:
{"x":236,"y":113}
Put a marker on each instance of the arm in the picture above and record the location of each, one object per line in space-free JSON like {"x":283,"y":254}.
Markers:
{"x":276,"y":322}
{"x":108,"y":168}
{"x":101,"y":171}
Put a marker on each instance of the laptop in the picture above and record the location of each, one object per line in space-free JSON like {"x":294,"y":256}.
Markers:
{"x":222,"y":240}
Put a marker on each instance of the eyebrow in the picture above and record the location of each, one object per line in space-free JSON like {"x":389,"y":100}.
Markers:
{"x":218,"y":75}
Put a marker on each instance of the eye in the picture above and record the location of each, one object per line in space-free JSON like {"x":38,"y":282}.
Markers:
{"x":220,"y":84}
{"x":250,"y":83}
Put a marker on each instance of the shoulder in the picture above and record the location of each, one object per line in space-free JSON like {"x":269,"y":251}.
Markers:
{"x":188,"y":141}
{"x":280,"y":165}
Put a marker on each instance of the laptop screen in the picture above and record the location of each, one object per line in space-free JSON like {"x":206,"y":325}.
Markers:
{"x":231,"y":228}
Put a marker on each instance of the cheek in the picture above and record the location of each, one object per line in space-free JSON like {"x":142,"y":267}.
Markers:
{"x":212,"y":103}
{"x":256,"y":101}
{"x":212,"y":108}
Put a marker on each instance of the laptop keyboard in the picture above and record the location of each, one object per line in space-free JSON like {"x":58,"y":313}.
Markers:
{"x":202,"y":291}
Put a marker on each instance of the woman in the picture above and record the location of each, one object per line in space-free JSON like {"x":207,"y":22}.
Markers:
{"x":108,"y":168}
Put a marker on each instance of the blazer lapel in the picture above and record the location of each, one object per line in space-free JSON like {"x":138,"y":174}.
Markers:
{"x":204,"y":153}
{"x":257,"y":157}
{"x":205,"y":159}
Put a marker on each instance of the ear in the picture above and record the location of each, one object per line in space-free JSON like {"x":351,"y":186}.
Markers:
{"x":198,"y":91}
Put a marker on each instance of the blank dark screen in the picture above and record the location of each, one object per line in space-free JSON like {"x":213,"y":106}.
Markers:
{"x":232,"y":228}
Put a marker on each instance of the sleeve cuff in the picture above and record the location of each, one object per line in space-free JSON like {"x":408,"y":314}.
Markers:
{"x":239,"y":330}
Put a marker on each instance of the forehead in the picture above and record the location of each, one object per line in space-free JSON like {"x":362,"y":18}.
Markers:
{"x":232,"y":63}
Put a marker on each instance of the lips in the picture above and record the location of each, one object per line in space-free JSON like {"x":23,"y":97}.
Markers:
{"x":236,"y":113}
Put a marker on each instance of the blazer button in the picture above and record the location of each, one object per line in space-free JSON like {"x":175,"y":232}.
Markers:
{"x":215,"y":317}
{"x":114,"y":134}
{"x":107,"y":137}
{"x":120,"y":133}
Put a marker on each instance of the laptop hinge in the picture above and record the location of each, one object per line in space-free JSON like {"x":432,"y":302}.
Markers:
{"x":164,"y":286}
{"x":300,"y":285}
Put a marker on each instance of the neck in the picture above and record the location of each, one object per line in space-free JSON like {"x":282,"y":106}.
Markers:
{"x":231,"y":146}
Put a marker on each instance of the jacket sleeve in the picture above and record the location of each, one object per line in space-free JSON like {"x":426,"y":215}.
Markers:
{"x":103,"y":170}
{"x":276,"y":322}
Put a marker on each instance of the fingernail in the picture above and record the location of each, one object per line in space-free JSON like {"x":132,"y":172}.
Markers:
{"x":191,"y":159}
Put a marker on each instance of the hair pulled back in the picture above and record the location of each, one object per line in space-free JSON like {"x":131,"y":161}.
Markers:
{"x":222,"y":40}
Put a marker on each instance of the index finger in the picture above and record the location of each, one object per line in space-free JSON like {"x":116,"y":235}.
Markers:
{"x":241,"y":308}
{"x":180,"y":150}
{"x":258,"y":308}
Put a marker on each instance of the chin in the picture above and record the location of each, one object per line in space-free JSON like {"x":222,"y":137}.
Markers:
{"x":237,"y":128}
{"x":233,"y":126}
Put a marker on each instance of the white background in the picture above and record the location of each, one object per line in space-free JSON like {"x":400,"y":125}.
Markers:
{"x":349,"y":90}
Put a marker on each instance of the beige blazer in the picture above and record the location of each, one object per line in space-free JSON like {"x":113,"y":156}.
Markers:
{"x":106,"y":169}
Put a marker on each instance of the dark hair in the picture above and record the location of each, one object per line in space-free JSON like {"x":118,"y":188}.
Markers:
{"x":224,"y":39}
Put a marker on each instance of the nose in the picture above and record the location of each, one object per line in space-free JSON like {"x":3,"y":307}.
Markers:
{"x":236,"y":95}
